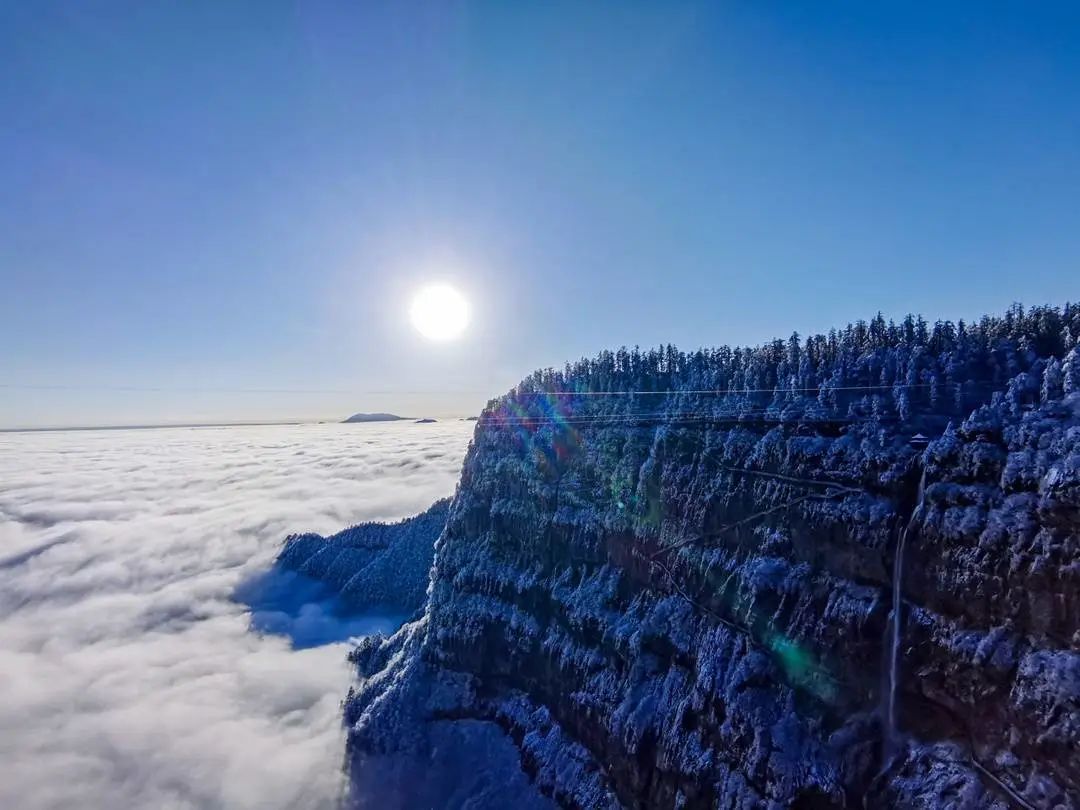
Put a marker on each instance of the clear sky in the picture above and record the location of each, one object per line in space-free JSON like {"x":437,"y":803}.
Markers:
{"x":232,"y":204}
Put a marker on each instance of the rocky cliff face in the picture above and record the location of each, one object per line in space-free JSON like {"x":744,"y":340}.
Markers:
{"x":633,"y":608}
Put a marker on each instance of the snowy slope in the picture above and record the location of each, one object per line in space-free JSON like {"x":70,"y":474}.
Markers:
{"x":372,"y":565}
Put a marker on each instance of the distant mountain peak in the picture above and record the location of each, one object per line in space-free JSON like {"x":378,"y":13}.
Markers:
{"x":374,"y":417}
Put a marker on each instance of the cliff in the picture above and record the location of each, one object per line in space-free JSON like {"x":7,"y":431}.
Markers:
{"x":669,"y":581}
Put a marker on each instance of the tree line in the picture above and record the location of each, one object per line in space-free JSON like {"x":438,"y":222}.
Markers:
{"x":874,"y":367}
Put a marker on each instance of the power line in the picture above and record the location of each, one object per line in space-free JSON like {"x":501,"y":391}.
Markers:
{"x":486,"y":392}
{"x":734,"y":392}
{"x":703,"y":417}
{"x":197,"y":389}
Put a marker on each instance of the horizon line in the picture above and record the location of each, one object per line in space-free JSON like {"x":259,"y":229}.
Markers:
{"x":248,"y":423}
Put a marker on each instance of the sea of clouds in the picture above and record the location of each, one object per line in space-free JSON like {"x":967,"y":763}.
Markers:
{"x":129,"y":675}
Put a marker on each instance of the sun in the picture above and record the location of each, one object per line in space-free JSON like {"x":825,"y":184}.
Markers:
{"x":439,"y":312}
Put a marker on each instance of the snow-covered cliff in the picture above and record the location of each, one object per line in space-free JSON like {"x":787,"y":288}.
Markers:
{"x":667,"y":581}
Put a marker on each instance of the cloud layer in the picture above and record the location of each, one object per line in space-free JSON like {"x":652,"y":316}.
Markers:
{"x":129,"y":677}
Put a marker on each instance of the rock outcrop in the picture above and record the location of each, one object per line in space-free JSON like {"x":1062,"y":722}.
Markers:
{"x":680,"y":595}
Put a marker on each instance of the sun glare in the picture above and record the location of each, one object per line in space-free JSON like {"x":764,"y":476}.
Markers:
{"x":439,"y":312}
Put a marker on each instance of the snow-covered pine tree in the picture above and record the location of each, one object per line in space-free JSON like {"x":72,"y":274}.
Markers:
{"x":1053,"y":381}
{"x":1071,"y":371}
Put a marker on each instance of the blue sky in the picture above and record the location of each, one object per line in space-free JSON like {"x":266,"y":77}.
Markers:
{"x":232,"y":203}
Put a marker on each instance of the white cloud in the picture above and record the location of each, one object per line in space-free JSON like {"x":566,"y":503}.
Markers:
{"x":129,"y":677}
